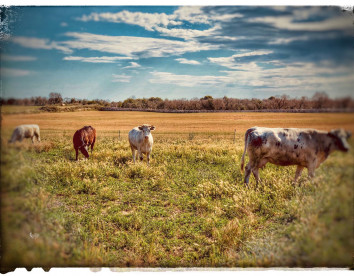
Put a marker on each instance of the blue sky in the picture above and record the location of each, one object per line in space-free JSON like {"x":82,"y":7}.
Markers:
{"x":177,"y":51}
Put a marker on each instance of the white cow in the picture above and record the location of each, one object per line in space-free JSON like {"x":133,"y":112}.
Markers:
{"x":306,"y":148}
{"x":140,"y":139}
{"x":25,"y":131}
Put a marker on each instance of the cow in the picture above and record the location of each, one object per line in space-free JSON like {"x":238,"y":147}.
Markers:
{"x":25,"y":131}
{"x":140,"y":139}
{"x":83,"y":138}
{"x":305,"y":148}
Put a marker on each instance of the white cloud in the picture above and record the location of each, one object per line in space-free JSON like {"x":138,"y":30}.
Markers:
{"x":132,"y":46}
{"x":232,"y":38}
{"x":63,"y":24}
{"x":254,"y":53}
{"x":187,"y":61}
{"x":17,"y":58}
{"x":192,"y":14}
{"x":305,"y":38}
{"x":39,"y":43}
{"x":187,"y":34}
{"x":9,"y":72}
{"x":149,"y":21}
{"x":164,"y":23}
{"x":299,"y":75}
{"x":146,"y":20}
{"x":129,"y":46}
{"x":132,"y":65}
{"x":195,"y":14}
{"x":103,"y":59}
{"x":187,"y":80}
{"x":342,"y":22}
{"x":230,"y":61}
{"x":289,"y":39}
{"x":121,"y":78}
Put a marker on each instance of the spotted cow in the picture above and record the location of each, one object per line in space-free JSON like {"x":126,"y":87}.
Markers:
{"x":305,"y":148}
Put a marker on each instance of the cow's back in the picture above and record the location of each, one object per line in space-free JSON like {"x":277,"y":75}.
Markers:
{"x":89,"y":134}
{"x":85,"y":135}
{"x":28,"y":130}
{"x":284,"y":146}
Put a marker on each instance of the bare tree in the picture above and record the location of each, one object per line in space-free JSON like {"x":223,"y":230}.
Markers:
{"x":55,"y":98}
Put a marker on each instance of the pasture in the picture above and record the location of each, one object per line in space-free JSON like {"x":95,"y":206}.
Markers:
{"x":189,"y":208}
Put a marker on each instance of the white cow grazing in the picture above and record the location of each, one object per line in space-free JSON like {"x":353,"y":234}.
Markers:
{"x":305,"y":148}
{"x":25,"y":131}
{"x":140,"y":139}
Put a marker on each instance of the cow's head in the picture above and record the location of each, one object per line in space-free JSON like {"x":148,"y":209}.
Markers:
{"x":146,"y":129}
{"x":339,"y":137}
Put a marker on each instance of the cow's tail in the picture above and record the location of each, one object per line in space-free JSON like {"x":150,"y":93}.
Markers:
{"x":244,"y":151}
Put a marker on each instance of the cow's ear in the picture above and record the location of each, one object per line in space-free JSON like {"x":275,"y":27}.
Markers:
{"x":140,"y":127}
{"x":152,"y":128}
{"x":349,"y":134}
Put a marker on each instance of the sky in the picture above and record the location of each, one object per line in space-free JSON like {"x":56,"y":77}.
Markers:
{"x":174,"y":52}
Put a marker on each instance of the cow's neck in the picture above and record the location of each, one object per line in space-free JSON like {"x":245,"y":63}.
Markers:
{"x":327,"y":150}
{"x":145,"y":142}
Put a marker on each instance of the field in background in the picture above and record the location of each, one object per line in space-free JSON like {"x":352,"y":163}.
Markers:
{"x":189,"y":208}
{"x":19,"y":109}
{"x":179,"y":123}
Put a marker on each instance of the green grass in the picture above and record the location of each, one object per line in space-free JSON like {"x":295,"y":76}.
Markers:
{"x":189,"y":208}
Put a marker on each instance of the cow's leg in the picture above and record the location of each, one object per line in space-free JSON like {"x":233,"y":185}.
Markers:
{"x":93,"y":143}
{"x":311,"y":170}
{"x":298,"y":173}
{"x":38,"y":137}
{"x":148,"y":157}
{"x":133,"y":154}
{"x":32,"y":138}
{"x":256,"y":174}
{"x":256,"y":167}
{"x":247,"y":173}
{"x":140,"y":154}
{"x":77,"y":153}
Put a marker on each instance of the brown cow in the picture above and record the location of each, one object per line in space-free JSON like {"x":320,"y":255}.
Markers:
{"x":83,"y":138}
{"x":306,"y":148}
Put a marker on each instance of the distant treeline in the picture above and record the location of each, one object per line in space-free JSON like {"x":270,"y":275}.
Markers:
{"x":320,"y":101}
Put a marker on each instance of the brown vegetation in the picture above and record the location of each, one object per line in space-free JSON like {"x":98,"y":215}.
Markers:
{"x":320,"y":101}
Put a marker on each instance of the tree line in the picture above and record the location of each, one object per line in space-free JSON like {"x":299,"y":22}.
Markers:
{"x":319,"y":101}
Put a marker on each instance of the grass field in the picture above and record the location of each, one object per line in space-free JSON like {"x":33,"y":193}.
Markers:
{"x":188,"y":208}
{"x":19,"y":109}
